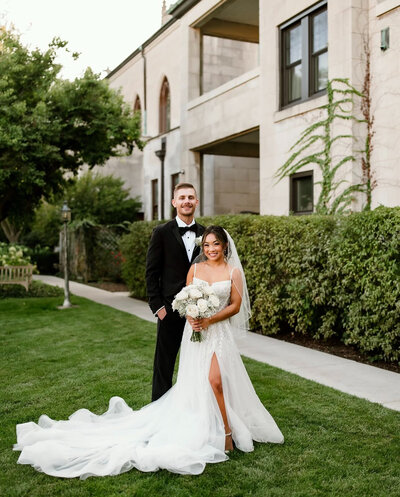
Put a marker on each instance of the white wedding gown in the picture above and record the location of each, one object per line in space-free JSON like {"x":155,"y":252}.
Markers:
{"x":180,"y":432}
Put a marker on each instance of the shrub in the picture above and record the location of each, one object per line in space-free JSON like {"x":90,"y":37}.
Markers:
{"x":133,"y":247}
{"x":365,"y":267}
{"x":36,"y":289}
{"x":317,"y":275}
{"x":46,"y":226}
{"x":13,"y":255}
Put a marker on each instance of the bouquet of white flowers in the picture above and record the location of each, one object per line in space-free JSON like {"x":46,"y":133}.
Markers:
{"x":196,"y":301}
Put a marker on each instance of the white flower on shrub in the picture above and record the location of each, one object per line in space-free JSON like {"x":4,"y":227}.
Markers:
{"x":192,"y":310}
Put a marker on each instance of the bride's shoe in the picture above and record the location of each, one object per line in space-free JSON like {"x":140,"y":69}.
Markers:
{"x":228,"y":442}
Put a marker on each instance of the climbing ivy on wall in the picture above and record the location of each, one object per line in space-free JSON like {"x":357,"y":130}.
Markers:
{"x":316,"y":143}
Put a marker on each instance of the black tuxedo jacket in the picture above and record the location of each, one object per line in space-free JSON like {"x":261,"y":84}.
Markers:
{"x":167,"y":264}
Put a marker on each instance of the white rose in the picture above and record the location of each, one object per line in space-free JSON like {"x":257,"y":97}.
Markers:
{"x":197,"y":241}
{"x":192,"y":310}
{"x":195,"y":293}
{"x":214,"y":300}
{"x":182,"y":295}
{"x":202,"y":305}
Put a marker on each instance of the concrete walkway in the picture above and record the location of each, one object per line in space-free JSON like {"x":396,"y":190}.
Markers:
{"x":361,"y":380}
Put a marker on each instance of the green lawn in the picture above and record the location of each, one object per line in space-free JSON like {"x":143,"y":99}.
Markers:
{"x":56,"y":362}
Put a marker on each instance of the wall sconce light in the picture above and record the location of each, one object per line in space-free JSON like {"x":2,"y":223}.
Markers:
{"x":384,"y":39}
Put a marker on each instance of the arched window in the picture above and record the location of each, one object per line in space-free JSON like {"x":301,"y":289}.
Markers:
{"x":165,"y":107}
{"x":137,"y":107}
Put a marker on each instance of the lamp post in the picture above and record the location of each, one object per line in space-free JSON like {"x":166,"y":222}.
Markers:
{"x":161,"y":155}
{"x":66,"y":217}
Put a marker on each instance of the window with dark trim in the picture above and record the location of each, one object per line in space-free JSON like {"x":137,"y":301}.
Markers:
{"x":302,"y":193}
{"x":174,"y":182}
{"x":304,"y":55}
{"x":165,"y":108}
{"x":137,"y":106}
{"x":154,"y":199}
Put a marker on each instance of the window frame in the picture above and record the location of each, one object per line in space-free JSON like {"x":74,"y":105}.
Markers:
{"x":137,"y":106}
{"x":304,"y":20}
{"x":292,"y":192}
{"x":165,"y":107}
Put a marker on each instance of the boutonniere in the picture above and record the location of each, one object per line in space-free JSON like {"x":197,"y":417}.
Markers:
{"x":197,"y":241}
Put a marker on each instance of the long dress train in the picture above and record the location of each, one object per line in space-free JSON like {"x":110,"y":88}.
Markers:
{"x":180,"y":432}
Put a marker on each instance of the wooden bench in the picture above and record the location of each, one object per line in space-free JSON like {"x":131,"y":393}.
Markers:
{"x":16,"y":275}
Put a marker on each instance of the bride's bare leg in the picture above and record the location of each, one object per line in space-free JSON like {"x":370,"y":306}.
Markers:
{"x":216,"y":384}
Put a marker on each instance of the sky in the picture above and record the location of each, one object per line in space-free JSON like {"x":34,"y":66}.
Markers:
{"x":104,"y":32}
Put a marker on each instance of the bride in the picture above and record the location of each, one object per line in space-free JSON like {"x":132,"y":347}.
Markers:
{"x":211,"y":405}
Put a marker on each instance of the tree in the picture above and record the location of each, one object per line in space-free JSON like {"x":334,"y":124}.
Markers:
{"x":315,"y":147}
{"x":49,"y":127}
{"x":101,"y":199}
{"x":93,"y":198}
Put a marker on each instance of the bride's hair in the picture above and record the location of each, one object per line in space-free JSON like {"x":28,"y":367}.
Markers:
{"x":218,"y":232}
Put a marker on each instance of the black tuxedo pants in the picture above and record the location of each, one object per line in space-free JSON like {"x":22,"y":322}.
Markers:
{"x":169,"y":337}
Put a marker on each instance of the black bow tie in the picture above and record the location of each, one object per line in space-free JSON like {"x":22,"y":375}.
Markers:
{"x":184,"y":230}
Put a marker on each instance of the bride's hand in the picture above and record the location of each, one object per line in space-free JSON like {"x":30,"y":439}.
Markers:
{"x":202,"y":324}
{"x":192,"y":323}
{"x":198,"y":324}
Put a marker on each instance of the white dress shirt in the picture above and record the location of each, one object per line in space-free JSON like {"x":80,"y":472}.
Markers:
{"x":188,"y":238}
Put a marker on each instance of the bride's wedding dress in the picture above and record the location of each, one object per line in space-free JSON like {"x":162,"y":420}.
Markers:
{"x":180,"y":432}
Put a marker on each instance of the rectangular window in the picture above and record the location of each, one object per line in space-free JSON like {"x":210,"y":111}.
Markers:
{"x":304,"y":55}
{"x":302,"y":193}
{"x":154,"y":199}
{"x":174,"y":182}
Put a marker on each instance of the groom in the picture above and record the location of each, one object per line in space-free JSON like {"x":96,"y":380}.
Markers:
{"x":172,"y":249}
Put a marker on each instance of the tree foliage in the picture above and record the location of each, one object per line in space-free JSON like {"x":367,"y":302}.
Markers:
{"x":94,"y":199}
{"x":49,"y":126}
{"x":102,"y":199}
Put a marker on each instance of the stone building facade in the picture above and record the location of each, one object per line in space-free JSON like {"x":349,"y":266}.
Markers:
{"x":226,"y":87}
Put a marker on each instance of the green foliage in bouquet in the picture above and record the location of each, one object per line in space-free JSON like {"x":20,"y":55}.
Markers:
{"x":320,"y":276}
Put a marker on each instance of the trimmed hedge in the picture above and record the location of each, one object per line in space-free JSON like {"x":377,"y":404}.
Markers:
{"x":317,"y":275}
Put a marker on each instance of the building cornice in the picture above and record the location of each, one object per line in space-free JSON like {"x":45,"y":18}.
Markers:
{"x":179,"y":9}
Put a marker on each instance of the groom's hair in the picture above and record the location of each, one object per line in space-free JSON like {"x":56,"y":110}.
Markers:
{"x":180,"y":186}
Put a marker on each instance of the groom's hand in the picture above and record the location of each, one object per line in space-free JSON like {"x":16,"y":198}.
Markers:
{"x":161,"y":314}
